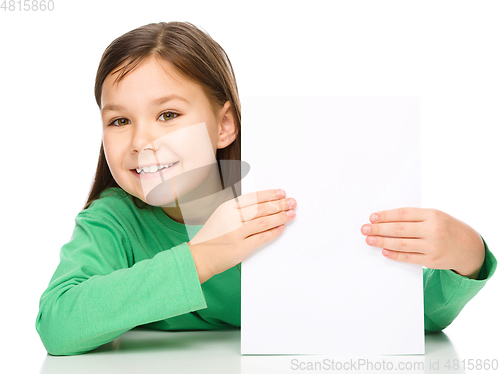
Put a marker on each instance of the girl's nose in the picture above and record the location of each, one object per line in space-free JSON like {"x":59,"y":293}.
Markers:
{"x":144,"y":139}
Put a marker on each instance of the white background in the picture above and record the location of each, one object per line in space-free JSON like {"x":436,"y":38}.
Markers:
{"x":446,"y":52}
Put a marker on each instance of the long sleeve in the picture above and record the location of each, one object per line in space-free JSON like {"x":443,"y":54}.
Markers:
{"x":97,"y":291}
{"x":446,"y":292}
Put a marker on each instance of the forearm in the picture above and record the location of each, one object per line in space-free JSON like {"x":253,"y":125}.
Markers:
{"x":473,"y":275}
{"x":447,"y":292}
{"x":204,"y":273}
{"x":470,"y":267}
{"x":77,"y":316}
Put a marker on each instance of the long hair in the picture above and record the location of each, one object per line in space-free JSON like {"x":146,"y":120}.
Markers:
{"x":198,"y":58}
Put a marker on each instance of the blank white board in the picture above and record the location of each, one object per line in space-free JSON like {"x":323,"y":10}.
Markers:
{"x":318,"y":288}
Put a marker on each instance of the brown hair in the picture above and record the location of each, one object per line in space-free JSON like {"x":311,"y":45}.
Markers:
{"x":197,"y":57}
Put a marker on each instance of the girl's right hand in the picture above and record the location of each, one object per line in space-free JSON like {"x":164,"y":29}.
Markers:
{"x":234,"y":230}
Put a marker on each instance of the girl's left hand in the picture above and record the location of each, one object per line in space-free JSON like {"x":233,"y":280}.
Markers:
{"x":427,"y":237}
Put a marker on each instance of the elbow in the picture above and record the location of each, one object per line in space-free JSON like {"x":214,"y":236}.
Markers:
{"x":432,"y":331}
{"x":432,"y":327}
{"x":56,"y":340}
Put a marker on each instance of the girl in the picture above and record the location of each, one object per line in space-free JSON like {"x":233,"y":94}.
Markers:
{"x":161,"y":219}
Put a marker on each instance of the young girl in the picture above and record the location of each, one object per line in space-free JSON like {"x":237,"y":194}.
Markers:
{"x":160,"y":249}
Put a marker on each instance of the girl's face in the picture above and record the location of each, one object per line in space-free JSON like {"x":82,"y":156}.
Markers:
{"x":154,"y":116}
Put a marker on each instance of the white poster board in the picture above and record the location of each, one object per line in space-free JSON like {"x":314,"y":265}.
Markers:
{"x":319,"y":288}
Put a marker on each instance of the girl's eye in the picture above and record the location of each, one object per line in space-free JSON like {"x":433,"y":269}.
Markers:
{"x":164,"y":115}
{"x":119,"y":120}
{"x":123,"y":121}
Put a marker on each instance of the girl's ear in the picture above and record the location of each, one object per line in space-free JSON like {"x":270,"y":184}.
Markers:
{"x":228,"y":131}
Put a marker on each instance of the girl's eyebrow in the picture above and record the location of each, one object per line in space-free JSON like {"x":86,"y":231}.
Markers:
{"x":156,"y":102}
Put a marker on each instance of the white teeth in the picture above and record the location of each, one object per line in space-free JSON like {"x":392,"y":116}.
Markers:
{"x":152,"y":168}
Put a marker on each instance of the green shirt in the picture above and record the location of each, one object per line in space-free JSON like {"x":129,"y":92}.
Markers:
{"x":126,"y":267}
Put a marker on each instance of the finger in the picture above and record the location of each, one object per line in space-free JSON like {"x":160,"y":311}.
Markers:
{"x":256,"y":240}
{"x":253,"y":198}
{"x":266,"y":223}
{"x":395,"y":229}
{"x":408,"y":214}
{"x":408,"y":257}
{"x":267,"y":208}
{"x":395,"y":244}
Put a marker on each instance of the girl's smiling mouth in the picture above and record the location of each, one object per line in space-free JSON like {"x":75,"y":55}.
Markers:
{"x":144,"y":175}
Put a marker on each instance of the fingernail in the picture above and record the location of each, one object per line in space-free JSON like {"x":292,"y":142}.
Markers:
{"x":290,"y":213}
{"x":281,"y":193}
{"x":366,"y":229}
{"x":374,"y":217}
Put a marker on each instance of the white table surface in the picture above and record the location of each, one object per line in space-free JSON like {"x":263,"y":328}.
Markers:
{"x":148,"y":351}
